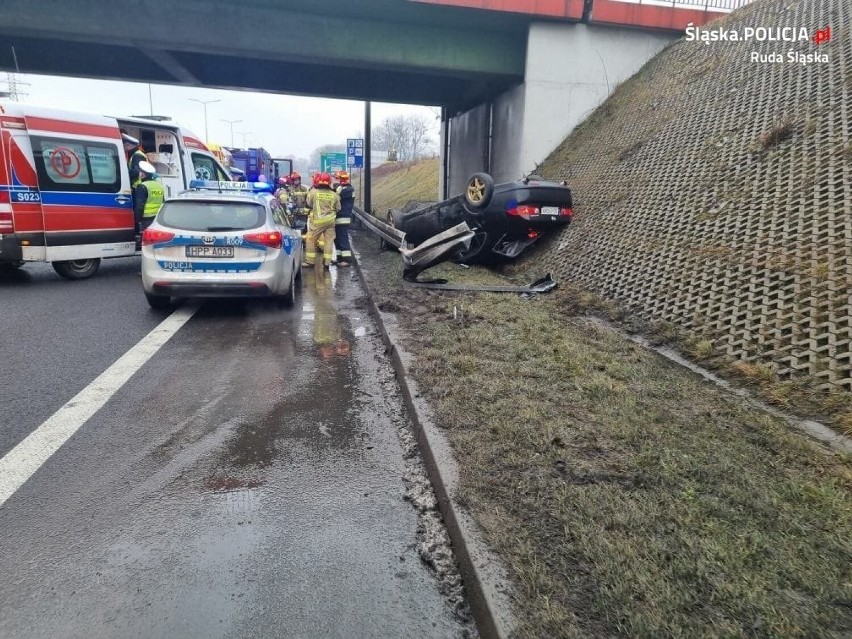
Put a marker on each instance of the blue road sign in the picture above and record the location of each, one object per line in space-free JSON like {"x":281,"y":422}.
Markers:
{"x":355,"y":153}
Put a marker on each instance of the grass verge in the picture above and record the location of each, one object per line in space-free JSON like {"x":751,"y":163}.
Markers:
{"x":626,"y":496}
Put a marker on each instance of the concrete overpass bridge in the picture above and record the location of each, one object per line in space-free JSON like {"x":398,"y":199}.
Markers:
{"x":512,"y":76}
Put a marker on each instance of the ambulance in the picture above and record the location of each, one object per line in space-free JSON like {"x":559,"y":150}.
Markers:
{"x":65,"y":193}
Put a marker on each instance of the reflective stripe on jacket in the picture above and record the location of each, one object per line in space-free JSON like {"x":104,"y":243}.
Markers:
{"x":324,"y":205}
{"x":156,"y":197}
{"x":133,"y":161}
{"x":299,"y":196}
{"x":347,"y":199}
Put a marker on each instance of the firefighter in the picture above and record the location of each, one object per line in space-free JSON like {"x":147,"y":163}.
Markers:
{"x":282,"y":193}
{"x":299,"y":200}
{"x":346,"y":192}
{"x":149,"y":196}
{"x":135,"y":155}
{"x":324,"y":205}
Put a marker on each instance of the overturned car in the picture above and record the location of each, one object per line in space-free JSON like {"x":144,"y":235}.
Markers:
{"x":487,"y":224}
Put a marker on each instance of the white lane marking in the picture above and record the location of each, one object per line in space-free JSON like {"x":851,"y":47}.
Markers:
{"x":26,"y":458}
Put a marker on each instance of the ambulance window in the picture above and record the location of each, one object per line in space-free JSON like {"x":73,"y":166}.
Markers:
{"x":72,"y":165}
{"x":206,"y":168}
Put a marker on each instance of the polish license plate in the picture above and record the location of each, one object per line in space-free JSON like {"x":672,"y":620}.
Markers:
{"x":210,"y":251}
{"x":550,"y":210}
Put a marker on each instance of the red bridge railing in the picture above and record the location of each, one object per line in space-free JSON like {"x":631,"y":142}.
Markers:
{"x":655,"y":14}
{"x":661,"y":14}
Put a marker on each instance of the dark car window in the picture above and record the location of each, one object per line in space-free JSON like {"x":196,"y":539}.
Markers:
{"x":212,"y":216}
{"x":279,"y":214}
{"x":207,"y":169}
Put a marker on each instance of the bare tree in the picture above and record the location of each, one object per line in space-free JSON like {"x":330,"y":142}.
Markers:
{"x":408,"y":135}
{"x":316,"y":154}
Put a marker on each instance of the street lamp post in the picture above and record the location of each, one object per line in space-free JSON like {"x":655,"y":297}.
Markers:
{"x":205,"y":103}
{"x":244,"y":134}
{"x":232,"y":123}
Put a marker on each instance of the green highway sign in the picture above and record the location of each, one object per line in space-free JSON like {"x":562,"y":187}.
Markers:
{"x":331,"y":162}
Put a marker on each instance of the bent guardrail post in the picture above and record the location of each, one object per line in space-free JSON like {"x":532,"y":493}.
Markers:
{"x":388,"y":233}
{"x":434,"y":250}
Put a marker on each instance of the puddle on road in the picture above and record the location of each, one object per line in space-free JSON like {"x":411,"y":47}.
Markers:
{"x":307,"y":394}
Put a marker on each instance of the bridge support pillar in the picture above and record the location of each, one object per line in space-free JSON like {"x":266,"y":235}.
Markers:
{"x":570,"y":70}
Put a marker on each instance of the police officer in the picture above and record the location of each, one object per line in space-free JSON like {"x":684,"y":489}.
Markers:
{"x":149,"y":195}
{"x":325,"y":205}
{"x":135,"y":155}
{"x":346,"y":192}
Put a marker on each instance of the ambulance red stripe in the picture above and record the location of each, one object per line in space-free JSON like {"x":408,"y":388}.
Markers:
{"x":67,"y":218}
{"x":74,"y":128}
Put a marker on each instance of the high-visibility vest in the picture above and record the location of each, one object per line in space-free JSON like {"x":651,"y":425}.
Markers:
{"x":144,"y":157}
{"x":156,"y":197}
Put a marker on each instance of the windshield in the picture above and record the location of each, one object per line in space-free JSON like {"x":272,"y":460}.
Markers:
{"x":212,"y":216}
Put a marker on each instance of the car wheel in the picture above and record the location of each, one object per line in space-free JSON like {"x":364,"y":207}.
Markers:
{"x":289,"y":297}
{"x":8,"y":267}
{"x":77,"y":269}
{"x":479,"y":191}
{"x":159,"y":302}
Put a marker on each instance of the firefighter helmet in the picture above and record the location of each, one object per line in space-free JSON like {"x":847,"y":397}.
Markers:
{"x":343,"y":177}
{"x":322,"y":179}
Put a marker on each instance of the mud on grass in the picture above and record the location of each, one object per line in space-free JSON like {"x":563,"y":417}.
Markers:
{"x":626,"y":496}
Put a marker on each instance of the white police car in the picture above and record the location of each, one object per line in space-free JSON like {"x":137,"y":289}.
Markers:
{"x":221,"y":239}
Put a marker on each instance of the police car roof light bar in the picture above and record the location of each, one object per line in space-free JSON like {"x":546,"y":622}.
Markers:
{"x":221,"y":186}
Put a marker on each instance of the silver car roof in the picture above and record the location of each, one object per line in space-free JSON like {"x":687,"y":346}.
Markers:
{"x":224,"y":196}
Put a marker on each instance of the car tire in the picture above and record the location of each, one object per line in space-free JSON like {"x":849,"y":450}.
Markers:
{"x":289,"y":296}
{"x":10,"y":267}
{"x":479,"y":191}
{"x":77,"y":269}
{"x":159,"y":302}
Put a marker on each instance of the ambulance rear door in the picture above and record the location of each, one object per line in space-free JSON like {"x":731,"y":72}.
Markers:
{"x":21,"y":219}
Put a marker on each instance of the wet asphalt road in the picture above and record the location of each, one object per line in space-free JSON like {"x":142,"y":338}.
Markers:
{"x":246,"y":482}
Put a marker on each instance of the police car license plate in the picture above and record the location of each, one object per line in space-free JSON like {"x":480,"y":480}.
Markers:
{"x":550,"y":210}
{"x":210,"y":251}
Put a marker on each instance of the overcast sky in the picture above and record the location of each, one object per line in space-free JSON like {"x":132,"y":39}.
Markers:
{"x":282,"y":124}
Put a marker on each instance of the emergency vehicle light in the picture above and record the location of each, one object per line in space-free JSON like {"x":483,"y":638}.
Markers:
{"x":221,"y":186}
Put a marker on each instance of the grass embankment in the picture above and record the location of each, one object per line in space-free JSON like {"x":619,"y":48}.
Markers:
{"x":396,"y":184}
{"x":626,"y":496}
